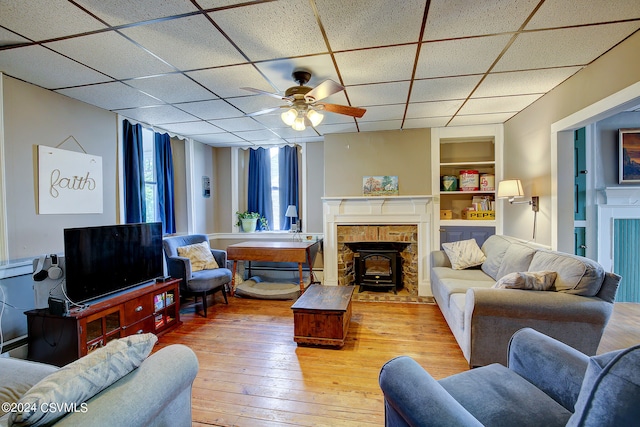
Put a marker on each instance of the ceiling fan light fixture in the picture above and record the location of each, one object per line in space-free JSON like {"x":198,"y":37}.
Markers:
{"x":289,"y":116}
{"x":298,"y":124}
{"x":315,"y":117}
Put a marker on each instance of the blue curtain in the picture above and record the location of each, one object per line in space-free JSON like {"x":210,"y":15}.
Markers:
{"x":259,"y":194}
{"x":164,"y":180}
{"x":135,"y":209}
{"x":288,"y":164}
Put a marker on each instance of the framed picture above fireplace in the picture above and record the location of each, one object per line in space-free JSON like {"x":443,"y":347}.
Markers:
{"x":380,"y":185}
{"x":629,"y":156}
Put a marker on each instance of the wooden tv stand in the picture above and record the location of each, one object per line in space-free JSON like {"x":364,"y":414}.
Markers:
{"x":58,"y":340}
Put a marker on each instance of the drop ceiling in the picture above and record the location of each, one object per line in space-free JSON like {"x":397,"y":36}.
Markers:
{"x":179,"y":65}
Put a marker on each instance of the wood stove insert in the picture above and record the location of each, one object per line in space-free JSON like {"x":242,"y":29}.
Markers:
{"x":378,"y":265}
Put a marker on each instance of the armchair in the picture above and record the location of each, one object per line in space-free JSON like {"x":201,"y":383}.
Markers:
{"x":547,"y":383}
{"x":196,"y":283}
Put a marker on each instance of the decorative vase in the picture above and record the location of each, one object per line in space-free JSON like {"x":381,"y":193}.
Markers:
{"x":249,"y":224}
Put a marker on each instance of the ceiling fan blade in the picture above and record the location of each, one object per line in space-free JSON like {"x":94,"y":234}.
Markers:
{"x":344,"y":109}
{"x":265,"y":111}
{"x":323,"y":90}
{"x":263,"y":92}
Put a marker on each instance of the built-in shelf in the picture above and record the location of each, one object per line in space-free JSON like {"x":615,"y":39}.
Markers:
{"x":458,"y":149}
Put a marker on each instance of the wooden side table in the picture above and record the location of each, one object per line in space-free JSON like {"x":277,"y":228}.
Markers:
{"x":271,"y":251}
{"x":322,"y":314}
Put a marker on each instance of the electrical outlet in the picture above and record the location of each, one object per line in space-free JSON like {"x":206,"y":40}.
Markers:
{"x":535,"y":203}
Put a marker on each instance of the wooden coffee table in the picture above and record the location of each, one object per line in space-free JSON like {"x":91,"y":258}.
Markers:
{"x":322,"y":314}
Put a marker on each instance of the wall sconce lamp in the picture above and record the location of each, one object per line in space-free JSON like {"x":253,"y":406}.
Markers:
{"x":292,"y":212}
{"x":512,"y":189}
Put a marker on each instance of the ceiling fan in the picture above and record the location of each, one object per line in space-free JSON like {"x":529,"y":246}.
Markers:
{"x":303,"y":102}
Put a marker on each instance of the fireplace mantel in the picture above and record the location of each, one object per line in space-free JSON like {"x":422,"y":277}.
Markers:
{"x":346,"y":210}
{"x":620,"y":202}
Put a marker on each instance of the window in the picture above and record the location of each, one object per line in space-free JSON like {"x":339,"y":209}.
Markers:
{"x":275,"y":188}
{"x":150,"y":183}
{"x":273,"y":184}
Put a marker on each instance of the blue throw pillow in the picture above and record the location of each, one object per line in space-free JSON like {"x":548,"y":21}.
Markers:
{"x":610,"y":392}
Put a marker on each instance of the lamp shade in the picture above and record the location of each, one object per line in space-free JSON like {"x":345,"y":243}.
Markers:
{"x":314,"y":117}
{"x":292,"y":212}
{"x":289,"y":116}
{"x":510,"y":188}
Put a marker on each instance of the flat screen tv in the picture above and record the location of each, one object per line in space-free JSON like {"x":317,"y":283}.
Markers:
{"x":107,"y":259}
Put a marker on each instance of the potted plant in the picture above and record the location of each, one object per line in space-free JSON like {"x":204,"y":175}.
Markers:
{"x":247,"y":221}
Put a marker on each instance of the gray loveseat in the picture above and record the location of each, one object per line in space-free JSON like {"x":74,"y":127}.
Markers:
{"x":156,"y":393}
{"x":483,"y":318}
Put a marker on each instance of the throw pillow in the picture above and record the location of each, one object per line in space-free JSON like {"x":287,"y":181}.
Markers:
{"x":464,"y":254}
{"x":70,"y":386}
{"x":200,"y":256}
{"x":531,"y":280}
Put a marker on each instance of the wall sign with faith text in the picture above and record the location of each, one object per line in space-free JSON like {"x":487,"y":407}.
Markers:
{"x":69,"y":182}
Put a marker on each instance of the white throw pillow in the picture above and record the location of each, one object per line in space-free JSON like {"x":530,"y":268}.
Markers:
{"x":200,"y":256}
{"x":531,"y":280}
{"x":73,"y":384}
{"x":464,"y":254}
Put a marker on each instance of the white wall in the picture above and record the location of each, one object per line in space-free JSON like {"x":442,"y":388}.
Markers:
{"x":35,"y":116}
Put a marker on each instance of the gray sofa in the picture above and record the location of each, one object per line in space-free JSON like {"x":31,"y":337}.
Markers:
{"x":157,"y":393}
{"x":546,"y":383}
{"x":483,"y":318}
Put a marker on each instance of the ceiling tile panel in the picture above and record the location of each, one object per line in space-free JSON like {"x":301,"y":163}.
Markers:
{"x":308,"y":139}
{"x":429,"y":122}
{"x":443,"y":89}
{"x":8,"y":38}
{"x":433,"y":109}
{"x":110,"y":96}
{"x":278,"y":72}
{"x":339,"y":128}
{"x":111,"y":54}
{"x":463,"y":18}
{"x":157,"y":115}
{"x":187,"y":43}
{"x":121,"y":12}
{"x":562,"y":13}
{"x":355,"y":25}
{"x":481,"y":119}
{"x":213,"y":4}
{"x":45,"y":68}
{"x":379,"y":125}
{"x":523,"y":82}
{"x":383,"y":112}
{"x":192,"y":128}
{"x":531,"y":50}
{"x":273,"y":30}
{"x":227,"y":81}
{"x":380,"y":93}
{"x":332,"y":119}
{"x":503,"y":104}
{"x":254,"y":103}
{"x":209,"y":110}
{"x":44,"y":20}
{"x":172,"y":88}
{"x":220,"y":139}
{"x":238,"y":124}
{"x":272,"y":121}
{"x":456,"y":57}
{"x":259,"y":136}
{"x":376,"y":65}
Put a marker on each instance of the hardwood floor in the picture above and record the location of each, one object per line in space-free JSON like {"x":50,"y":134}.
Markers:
{"x":253,"y":374}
